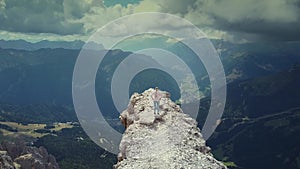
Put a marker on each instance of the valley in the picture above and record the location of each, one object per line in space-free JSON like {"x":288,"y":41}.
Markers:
{"x":260,"y":123}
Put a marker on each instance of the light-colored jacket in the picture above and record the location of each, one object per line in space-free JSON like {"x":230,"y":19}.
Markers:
{"x":156,"y":96}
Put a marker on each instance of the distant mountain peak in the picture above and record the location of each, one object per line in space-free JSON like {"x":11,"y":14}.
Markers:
{"x":29,"y":46}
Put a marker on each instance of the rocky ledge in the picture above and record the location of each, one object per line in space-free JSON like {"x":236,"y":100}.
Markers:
{"x":19,"y":156}
{"x":170,"y":140}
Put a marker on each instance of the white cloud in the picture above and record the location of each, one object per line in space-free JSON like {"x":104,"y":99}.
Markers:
{"x":147,"y":6}
{"x":99,"y":16}
{"x":147,"y":23}
{"x":249,"y":19}
{"x":36,"y":37}
{"x":77,"y":9}
{"x":2,"y":4}
{"x":39,"y":16}
{"x":230,"y":19}
{"x":236,"y":10}
{"x":233,"y":20}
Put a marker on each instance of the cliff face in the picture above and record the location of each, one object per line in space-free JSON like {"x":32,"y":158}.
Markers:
{"x":170,"y":140}
{"x":18,"y":156}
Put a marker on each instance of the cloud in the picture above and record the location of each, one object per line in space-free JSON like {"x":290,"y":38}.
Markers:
{"x":2,"y":4}
{"x":100,"y":16}
{"x":77,"y":9}
{"x":236,"y":11}
{"x":44,"y":16}
{"x":268,"y":19}
{"x":36,"y":37}
{"x":234,"y":20}
{"x":178,"y":7}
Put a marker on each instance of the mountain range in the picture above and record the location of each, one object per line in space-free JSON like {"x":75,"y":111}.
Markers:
{"x":259,"y":127}
{"x":44,"y":44}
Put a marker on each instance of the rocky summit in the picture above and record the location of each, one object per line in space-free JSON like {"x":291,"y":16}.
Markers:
{"x":168,"y":140}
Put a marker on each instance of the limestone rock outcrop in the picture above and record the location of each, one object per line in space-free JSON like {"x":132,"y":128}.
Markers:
{"x":170,"y":140}
{"x":19,"y":156}
{"x":5,"y":161}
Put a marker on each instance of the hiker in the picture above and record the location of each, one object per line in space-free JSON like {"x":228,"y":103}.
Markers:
{"x":156,"y":96}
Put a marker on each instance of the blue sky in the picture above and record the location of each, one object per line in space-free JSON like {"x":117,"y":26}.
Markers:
{"x":233,"y":20}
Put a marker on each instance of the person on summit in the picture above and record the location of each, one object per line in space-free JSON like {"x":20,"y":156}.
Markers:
{"x":156,"y":96}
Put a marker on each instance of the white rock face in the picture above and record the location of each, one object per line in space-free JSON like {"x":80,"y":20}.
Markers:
{"x":170,"y":140}
{"x":18,"y":156}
